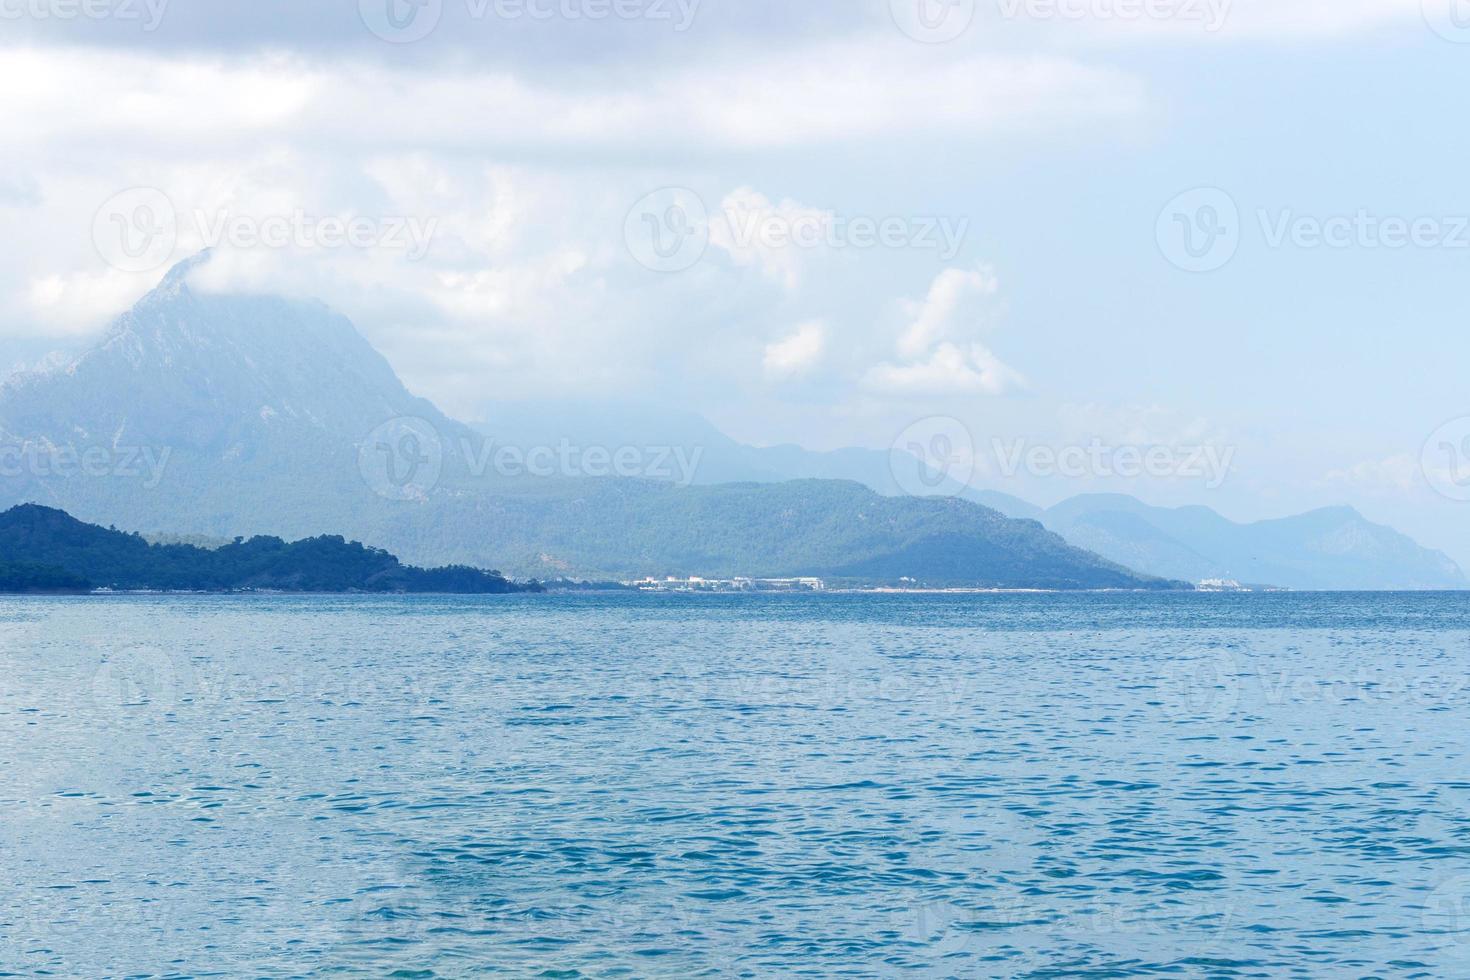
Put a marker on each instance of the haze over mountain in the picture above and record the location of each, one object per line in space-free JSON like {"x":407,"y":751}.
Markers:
{"x":226,"y":415}
{"x":1331,"y":548}
{"x":1334,"y":548}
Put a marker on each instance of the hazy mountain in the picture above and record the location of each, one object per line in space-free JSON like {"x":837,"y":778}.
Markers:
{"x":226,"y":415}
{"x":721,"y":459}
{"x":1333,"y":548}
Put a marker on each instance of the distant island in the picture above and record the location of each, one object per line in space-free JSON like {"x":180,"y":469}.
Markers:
{"x":44,"y":551}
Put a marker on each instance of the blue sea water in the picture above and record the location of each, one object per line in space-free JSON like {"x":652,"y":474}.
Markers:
{"x":684,"y":786}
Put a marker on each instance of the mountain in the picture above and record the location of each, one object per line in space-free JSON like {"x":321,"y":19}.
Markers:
{"x":29,"y":578}
{"x":717,"y":457}
{"x":829,"y":529}
{"x":225,"y":415}
{"x":195,"y":413}
{"x":76,"y":555}
{"x":1331,"y":549}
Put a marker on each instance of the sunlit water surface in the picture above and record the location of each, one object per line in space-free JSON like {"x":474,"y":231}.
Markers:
{"x":841,"y":785}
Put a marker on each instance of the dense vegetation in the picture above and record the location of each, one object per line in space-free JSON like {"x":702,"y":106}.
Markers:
{"x":48,"y":550}
{"x":27,"y":578}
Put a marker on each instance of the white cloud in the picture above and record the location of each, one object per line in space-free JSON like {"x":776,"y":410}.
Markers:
{"x":1400,"y":474}
{"x":936,"y":317}
{"x":874,"y":89}
{"x":797,"y":354}
{"x":949,"y":370}
{"x":936,"y":349}
{"x":775,"y":237}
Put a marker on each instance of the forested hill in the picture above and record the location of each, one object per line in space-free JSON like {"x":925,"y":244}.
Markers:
{"x":43,"y":550}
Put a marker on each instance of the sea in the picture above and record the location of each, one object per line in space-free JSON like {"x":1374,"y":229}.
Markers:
{"x":826,"y":785}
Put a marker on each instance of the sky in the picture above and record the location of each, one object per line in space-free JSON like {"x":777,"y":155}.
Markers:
{"x":1201,"y":251}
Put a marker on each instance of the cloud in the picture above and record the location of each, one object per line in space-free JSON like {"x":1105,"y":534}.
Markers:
{"x":1117,"y":23}
{"x":797,"y":354}
{"x":935,"y":318}
{"x":774,"y":237}
{"x":949,"y":370}
{"x":833,"y":92}
{"x":1397,"y":474}
{"x":936,"y":350}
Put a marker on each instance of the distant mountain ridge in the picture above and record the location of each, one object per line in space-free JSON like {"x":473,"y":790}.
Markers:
{"x":264,"y":414}
{"x":1332,"y":548}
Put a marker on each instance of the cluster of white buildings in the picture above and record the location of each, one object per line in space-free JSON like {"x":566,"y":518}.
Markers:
{"x":697,"y":584}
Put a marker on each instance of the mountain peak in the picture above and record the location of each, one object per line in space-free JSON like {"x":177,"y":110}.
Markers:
{"x":176,"y":277}
{"x":229,"y":375}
